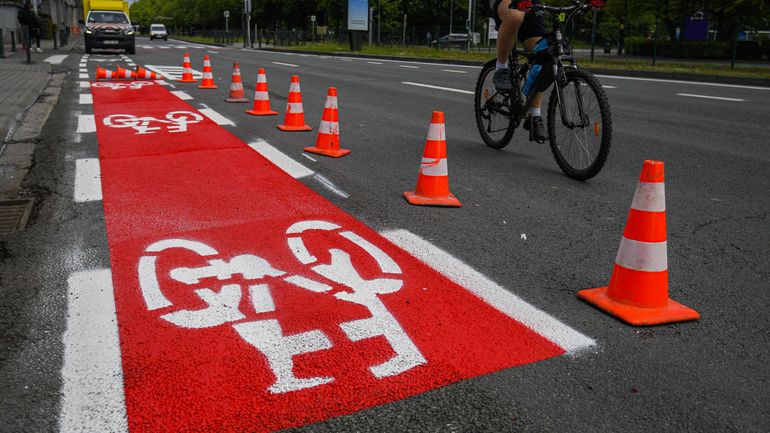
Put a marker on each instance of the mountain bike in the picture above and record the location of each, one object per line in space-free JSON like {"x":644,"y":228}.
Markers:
{"x":579,"y":120}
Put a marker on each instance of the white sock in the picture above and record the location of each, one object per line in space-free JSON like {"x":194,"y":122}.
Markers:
{"x":501,"y":66}
{"x":534,"y":111}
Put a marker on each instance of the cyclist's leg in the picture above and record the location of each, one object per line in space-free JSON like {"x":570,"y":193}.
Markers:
{"x":535,"y":119}
{"x":509,"y":21}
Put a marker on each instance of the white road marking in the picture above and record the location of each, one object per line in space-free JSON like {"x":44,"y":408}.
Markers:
{"x":698,"y":83}
{"x":326,"y":183}
{"x":86,"y":123}
{"x":182,"y":95}
{"x":93,"y":399}
{"x":689,"y":95}
{"x":280,"y":159}
{"x":429,"y":86}
{"x":490,"y":292}
{"x":286,"y":64}
{"x":216,"y":117}
{"x":163,"y":83}
{"x":455,"y":71}
{"x":83,"y":70}
{"x":374,"y":63}
{"x":83,"y":76}
{"x":213,"y":52}
{"x":409,"y":66}
{"x":88,"y":180}
{"x":57,"y":59}
{"x":172,"y":73}
{"x":164,"y":47}
{"x":86,"y":98}
{"x":85,"y":84}
{"x":309,"y":157}
{"x":346,"y":60}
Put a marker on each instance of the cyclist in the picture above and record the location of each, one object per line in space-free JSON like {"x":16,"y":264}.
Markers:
{"x":530,"y":30}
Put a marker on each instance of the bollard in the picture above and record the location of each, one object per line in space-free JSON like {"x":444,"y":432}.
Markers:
{"x":55,"y":31}
{"x":28,"y":44}
{"x":2,"y":45}
{"x":13,"y":41}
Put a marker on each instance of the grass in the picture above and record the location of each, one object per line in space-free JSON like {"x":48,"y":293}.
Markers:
{"x":633,"y":64}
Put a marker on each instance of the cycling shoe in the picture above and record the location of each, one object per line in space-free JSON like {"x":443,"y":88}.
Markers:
{"x":502,"y":80}
{"x":536,"y":127}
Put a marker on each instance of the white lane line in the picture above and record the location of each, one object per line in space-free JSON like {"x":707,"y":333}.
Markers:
{"x":346,"y":60}
{"x":163,"y":83}
{"x":280,"y":159}
{"x":56,"y":60}
{"x":88,"y":180}
{"x":409,"y":66}
{"x":165,"y":47}
{"x":286,"y":64}
{"x":374,"y":63}
{"x":454,"y":71}
{"x":429,"y":86}
{"x":309,"y":157}
{"x":689,"y":95}
{"x":490,"y":292}
{"x":216,"y":117}
{"x":83,"y":70}
{"x":83,"y":76}
{"x":86,"y":123}
{"x":213,"y":52}
{"x":93,"y":399}
{"x":181,"y":95}
{"x":326,"y":183}
{"x":85,"y":84}
{"x":697,"y":83}
{"x":86,"y":98}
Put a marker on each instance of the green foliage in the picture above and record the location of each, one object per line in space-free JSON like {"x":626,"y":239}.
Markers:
{"x":639,"y":46}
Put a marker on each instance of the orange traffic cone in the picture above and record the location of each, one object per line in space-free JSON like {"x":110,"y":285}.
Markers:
{"x":433,"y":179}
{"x":144,"y":74}
{"x":261,"y":98}
{"x":328,"y":142}
{"x":295,"y":115}
{"x":187,"y":74}
{"x":125,"y":73}
{"x":208,"y":76}
{"x":638,"y":289}
{"x":236,"y":86}
{"x":105,"y":74}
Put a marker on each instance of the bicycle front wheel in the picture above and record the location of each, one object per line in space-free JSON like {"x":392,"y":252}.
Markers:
{"x":493,"y":110}
{"x":581,"y":133}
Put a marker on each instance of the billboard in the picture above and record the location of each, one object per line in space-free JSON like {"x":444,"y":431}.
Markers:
{"x":358,"y":15}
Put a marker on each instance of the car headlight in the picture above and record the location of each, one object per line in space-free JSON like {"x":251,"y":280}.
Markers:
{"x":88,"y":31}
{"x":129,"y":32}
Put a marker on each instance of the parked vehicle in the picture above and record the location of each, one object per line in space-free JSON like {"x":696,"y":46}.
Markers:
{"x":107,"y":26}
{"x":452,"y":40}
{"x":158,"y":31}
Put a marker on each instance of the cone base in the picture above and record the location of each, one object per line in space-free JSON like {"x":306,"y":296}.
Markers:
{"x":334,"y":153}
{"x":673,"y":312}
{"x":295,"y":128}
{"x":208,"y":87}
{"x":236,"y":100}
{"x":424,"y":200}
{"x":186,"y":81}
{"x":261,"y":113}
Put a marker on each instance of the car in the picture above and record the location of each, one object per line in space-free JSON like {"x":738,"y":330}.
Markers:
{"x":158,"y":31}
{"x":109,"y":29}
{"x":457,"y":40}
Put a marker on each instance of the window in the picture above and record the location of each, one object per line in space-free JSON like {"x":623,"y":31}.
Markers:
{"x":107,"y":17}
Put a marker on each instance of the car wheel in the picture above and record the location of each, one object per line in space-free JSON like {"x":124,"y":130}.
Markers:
{"x":131,"y":49}
{"x":89,"y":50}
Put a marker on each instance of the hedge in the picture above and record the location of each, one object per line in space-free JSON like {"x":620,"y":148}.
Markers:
{"x":745,"y":50}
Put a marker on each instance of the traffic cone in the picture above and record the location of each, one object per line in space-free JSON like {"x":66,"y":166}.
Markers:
{"x":187,"y":74}
{"x":105,"y":74}
{"x":125,"y":73}
{"x":261,"y":98}
{"x":208,"y":76}
{"x":638,"y":289}
{"x":433,"y":179}
{"x":328,"y":141}
{"x":295,"y":115}
{"x":236,"y":86}
{"x":144,"y":74}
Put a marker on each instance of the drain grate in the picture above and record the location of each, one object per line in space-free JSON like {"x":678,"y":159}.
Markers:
{"x":14,"y":214}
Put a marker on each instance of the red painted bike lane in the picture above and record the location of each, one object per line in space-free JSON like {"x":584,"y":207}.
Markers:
{"x":248,"y":302}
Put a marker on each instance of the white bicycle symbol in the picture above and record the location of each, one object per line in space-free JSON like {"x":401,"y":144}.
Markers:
{"x":175,"y":121}
{"x":134,"y":85}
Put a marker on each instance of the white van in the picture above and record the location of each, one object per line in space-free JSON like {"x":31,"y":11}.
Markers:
{"x":158,"y":31}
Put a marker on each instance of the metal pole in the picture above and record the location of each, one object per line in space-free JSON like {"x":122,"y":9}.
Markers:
{"x":371,"y":29}
{"x":2,"y":44}
{"x":734,"y":54}
{"x":13,"y":41}
{"x":451,"y":3}
{"x":403,"y":41}
{"x":593,"y":36}
{"x":29,"y":44}
{"x":468,"y":27}
{"x":379,"y":21}
{"x":655,"y":46}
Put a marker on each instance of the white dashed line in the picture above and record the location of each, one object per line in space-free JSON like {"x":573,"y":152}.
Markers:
{"x":286,"y":64}
{"x":93,"y":399}
{"x":85,"y":84}
{"x":86,"y":98}
{"x":409,"y":66}
{"x":83,"y":76}
{"x":309,"y":157}
{"x":710,"y":97}
{"x":697,"y":83}
{"x":326,"y":183}
{"x":88,"y":180}
{"x":429,"y":86}
{"x":280,"y":159}
{"x":213,"y":52}
{"x":374,"y":63}
{"x":216,"y":117}
{"x":182,"y":95}
{"x":454,"y":71}
{"x":86,"y":123}
{"x":490,"y":292}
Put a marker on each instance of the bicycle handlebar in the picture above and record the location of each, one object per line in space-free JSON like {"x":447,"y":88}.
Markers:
{"x":576,"y":4}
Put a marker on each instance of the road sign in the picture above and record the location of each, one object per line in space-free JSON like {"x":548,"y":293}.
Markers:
{"x":227,"y":14}
{"x":312,"y":18}
{"x":251,"y":303}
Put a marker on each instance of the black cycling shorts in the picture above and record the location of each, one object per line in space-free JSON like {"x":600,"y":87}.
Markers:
{"x":533,"y":25}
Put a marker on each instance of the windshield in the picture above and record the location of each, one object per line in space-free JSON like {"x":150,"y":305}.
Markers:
{"x":107,"y":17}
{"x":158,"y":28}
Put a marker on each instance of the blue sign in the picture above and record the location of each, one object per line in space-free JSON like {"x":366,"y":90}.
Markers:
{"x":358,"y":15}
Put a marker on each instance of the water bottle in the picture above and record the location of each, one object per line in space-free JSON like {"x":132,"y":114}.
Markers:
{"x":529,"y":85}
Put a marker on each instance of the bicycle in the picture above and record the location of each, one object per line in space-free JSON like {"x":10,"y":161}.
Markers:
{"x":577,"y":98}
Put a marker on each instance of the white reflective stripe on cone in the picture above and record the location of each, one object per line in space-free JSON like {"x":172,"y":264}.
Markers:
{"x":208,"y":75}
{"x":331,"y":102}
{"x":642,"y":256}
{"x":294,"y":107}
{"x":294,"y":87}
{"x":436,"y":132}
{"x":261,"y":78}
{"x":261,"y":96}
{"x":327,"y":127}
{"x":434,"y":167}
{"x":650,"y":197}
{"x":236,"y":86}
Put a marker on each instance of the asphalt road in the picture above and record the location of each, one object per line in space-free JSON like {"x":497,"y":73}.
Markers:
{"x":523,"y":224}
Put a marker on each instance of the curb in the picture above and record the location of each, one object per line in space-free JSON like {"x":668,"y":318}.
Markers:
{"x":199,"y":43}
{"x":741,"y":81}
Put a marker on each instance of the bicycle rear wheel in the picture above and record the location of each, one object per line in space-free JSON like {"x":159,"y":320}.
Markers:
{"x":580,"y":145}
{"x":493,"y":110}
